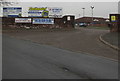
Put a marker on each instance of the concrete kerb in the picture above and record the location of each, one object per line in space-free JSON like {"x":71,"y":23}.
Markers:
{"x":105,"y":42}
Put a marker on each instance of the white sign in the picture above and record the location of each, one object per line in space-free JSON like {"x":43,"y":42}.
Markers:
{"x":35,"y":14}
{"x":22,"y":20}
{"x":43,"y":21}
{"x":68,"y":18}
{"x":12,"y":11}
{"x":55,"y":12}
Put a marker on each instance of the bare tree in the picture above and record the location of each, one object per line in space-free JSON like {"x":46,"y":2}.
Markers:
{"x":6,"y":3}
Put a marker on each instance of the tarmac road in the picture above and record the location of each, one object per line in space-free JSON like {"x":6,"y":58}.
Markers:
{"x":28,"y":60}
{"x":80,"y":40}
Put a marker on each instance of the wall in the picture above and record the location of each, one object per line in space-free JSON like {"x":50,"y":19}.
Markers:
{"x":8,"y":22}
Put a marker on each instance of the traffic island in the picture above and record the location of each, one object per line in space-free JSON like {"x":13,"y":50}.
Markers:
{"x":111,"y":39}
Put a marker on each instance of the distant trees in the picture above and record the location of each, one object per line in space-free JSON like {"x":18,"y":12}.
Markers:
{"x":6,"y":3}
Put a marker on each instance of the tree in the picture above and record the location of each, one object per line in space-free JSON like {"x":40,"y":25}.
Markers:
{"x":6,"y":3}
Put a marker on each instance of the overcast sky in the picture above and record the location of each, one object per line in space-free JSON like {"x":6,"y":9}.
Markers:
{"x":65,"y":0}
{"x":74,"y":7}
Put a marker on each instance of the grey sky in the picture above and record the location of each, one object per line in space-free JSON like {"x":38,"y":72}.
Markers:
{"x":119,"y":7}
{"x":102,"y":9}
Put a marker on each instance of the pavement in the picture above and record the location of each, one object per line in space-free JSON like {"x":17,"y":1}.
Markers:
{"x":112,"y":39}
{"x":28,"y":60}
{"x":81,"y":40}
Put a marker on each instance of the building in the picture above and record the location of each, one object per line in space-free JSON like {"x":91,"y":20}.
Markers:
{"x":95,"y":21}
{"x":66,"y":21}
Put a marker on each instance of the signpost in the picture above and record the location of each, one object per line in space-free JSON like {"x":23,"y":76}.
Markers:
{"x":115,"y":21}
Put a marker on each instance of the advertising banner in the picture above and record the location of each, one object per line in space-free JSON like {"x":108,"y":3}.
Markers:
{"x":12,"y":11}
{"x":43,"y":21}
{"x":22,"y":20}
{"x":55,"y":12}
{"x":38,"y":12}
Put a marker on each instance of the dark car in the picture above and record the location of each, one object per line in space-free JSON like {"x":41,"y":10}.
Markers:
{"x":82,"y":24}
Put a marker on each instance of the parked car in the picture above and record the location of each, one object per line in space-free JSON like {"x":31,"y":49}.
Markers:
{"x":82,"y":24}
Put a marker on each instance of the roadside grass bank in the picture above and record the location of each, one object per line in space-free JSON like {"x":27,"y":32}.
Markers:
{"x":112,"y":39}
{"x":101,"y":28}
{"x":10,"y":30}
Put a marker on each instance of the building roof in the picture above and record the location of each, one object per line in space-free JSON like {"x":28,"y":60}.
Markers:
{"x":89,"y":19}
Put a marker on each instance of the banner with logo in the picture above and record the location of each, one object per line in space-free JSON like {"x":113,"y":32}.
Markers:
{"x":38,"y":12}
{"x":22,"y":20}
{"x":43,"y":21}
{"x":55,"y":12}
{"x":12,"y":11}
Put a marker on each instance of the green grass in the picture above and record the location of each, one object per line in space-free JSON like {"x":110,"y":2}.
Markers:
{"x":102,"y":28}
{"x":39,"y":29}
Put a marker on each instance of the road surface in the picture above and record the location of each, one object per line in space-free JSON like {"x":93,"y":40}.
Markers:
{"x":80,"y":40}
{"x":28,"y":60}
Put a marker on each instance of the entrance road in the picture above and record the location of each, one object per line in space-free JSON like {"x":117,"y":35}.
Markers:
{"x":28,"y":60}
{"x":81,"y":40}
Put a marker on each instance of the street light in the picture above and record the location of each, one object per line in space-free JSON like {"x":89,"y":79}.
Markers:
{"x":92,"y":7}
{"x":83,"y":12}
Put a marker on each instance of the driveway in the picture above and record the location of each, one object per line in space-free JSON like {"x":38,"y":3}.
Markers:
{"x":28,"y":60}
{"x":82,"y":40}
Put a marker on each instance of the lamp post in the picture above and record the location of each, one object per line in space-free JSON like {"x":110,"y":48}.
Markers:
{"x":83,"y":12}
{"x":92,"y":7}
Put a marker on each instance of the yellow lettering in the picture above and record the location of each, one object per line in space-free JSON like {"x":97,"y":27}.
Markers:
{"x":31,"y":8}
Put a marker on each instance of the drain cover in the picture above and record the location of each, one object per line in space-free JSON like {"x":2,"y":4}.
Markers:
{"x":65,"y":69}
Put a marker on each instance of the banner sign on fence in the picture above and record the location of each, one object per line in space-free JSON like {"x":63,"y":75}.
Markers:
{"x":38,"y":12}
{"x":55,"y":12}
{"x":43,"y":21}
{"x":12,"y":11}
{"x":22,"y":20}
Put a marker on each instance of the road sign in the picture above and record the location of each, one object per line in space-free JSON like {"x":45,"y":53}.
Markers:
{"x":113,"y":18}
